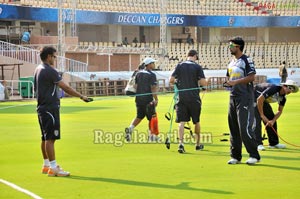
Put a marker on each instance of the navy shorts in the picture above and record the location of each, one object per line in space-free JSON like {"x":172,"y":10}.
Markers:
{"x":142,"y":112}
{"x":50,"y":124}
{"x":187,"y":110}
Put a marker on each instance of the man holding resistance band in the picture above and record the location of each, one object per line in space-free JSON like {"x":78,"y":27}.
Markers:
{"x":265,"y":94}
{"x":146,"y":88}
{"x":46,"y":83}
{"x":188,"y":75}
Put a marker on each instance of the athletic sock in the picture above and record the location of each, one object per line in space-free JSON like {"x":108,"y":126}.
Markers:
{"x":53,"y":164}
{"x":131,"y":127}
{"x":46,"y":162}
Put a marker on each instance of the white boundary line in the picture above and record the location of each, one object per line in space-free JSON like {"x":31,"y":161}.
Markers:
{"x":20,"y":189}
{"x":7,"y":107}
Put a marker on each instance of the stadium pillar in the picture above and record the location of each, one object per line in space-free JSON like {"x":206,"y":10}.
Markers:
{"x":61,"y":35}
{"x":73,"y":24}
{"x":214,"y":35}
{"x":163,"y":33}
{"x":115,"y":33}
{"x":262,"y":35}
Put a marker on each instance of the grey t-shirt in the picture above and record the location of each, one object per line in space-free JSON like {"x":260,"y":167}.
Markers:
{"x":237,"y":69}
{"x":271,"y":93}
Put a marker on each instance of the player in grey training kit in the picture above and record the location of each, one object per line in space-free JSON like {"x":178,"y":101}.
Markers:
{"x":265,"y":94}
{"x":241,"y":74}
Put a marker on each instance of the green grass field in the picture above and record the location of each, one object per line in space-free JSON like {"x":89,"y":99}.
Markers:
{"x":131,"y":170}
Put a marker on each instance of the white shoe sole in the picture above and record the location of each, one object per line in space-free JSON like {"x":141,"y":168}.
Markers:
{"x":252,"y":163}
{"x":234,"y":162}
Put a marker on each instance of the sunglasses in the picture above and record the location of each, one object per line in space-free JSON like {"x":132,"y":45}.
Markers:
{"x":231,"y":45}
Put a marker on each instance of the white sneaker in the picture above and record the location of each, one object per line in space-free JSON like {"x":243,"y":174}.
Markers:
{"x":261,"y":147}
{"x":58,"y":171}
{"x":252,"y":161}
{"x":278,"y":146}
{"x":233,"y":161}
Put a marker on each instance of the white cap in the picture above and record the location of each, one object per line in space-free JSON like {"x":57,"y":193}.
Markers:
{"x":292,"y":84}
{"x":149,"y":60}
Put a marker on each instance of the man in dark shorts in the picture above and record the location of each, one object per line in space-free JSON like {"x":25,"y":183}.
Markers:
{"x":241,"y":74}
{"x":46,"y":83}
{"x":146,"y":88}
{"x":188,"y":75}
{"x":265,"y":94}
{"x":283,"y":73}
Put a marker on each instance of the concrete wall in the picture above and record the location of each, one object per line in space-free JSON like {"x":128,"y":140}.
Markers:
{"x":116,"y":62}
{"x":52,"y":40}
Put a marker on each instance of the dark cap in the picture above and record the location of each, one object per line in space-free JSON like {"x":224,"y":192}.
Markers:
{"x":192,"y":53}
{"x":238,"y":40}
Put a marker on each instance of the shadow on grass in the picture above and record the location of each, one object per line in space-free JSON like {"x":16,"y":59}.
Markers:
{"x":286,"y":150}
{"x":278,"y":167}
{"x":27,"y":109}
{"x":72,"y":109}
{"x":280,"y":157}
{"x":181,"y":186}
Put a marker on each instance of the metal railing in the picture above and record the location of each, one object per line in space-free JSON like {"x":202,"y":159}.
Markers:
{"x":29,"y":55}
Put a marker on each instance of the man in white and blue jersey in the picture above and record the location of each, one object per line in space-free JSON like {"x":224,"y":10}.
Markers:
{"x":241,"y":74}
{"x":265,"y":94}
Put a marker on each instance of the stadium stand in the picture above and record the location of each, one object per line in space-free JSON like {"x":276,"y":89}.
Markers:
{"x":212,"y":56}
{"x":213,"y":53}
{"x":187,"y":7}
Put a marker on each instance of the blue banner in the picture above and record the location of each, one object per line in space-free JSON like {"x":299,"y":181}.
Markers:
{"x":11,"y":12}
